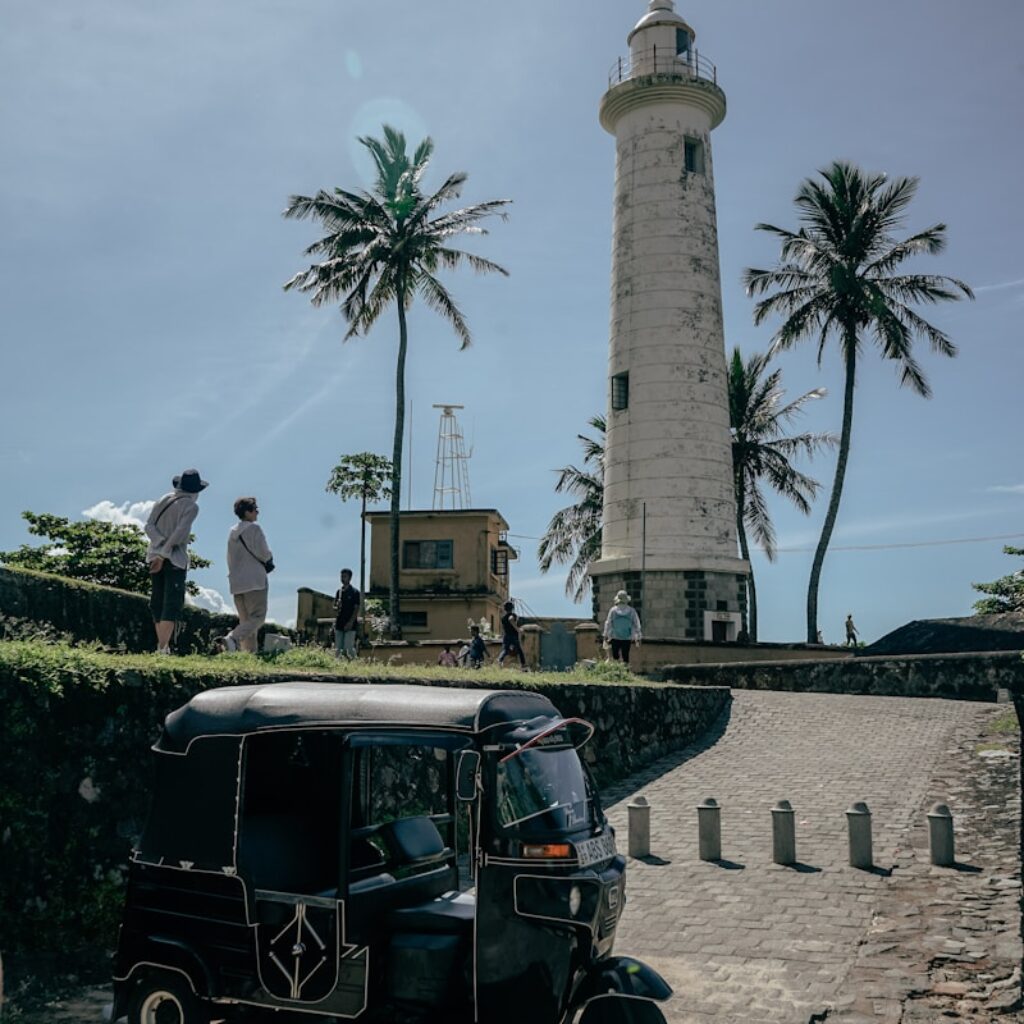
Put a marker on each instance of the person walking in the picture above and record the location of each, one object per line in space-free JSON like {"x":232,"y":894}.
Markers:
{"x":474,"y":653}
{"x":511,"y":637}
{"x":622,"y":627}
{"x":851,"y":632}
{"x":249,"y":561}
{"x":346,"y":607}
{"x":168,"y":528}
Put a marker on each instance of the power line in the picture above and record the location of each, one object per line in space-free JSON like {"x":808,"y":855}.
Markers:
{"x":873,"y":547}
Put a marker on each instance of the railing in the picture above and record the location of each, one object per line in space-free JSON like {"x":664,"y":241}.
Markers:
{"x":663,"y":61}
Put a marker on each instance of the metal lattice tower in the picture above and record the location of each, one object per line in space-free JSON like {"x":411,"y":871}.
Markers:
{"x":451,"y":469}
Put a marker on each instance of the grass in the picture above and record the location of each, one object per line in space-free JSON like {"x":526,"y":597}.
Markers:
{"x":298,"y":662}
{"x":1005,"y":725}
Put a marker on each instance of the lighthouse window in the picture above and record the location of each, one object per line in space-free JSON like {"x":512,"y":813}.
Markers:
{"x":693,"y":156}
{"x":682,"y":43}
{"x":620,"y":391}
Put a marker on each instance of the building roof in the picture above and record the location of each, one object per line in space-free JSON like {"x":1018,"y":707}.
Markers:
{"x":1004,"y":632}
{"x":239,"y":710}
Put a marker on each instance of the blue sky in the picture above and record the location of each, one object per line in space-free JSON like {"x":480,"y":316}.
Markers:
{"x":148,"y":149}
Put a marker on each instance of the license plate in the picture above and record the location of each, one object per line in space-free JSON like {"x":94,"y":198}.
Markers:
{"x":590,"y":851}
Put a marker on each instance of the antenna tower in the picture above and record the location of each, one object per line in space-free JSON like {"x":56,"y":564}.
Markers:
{"x":451,"y":469}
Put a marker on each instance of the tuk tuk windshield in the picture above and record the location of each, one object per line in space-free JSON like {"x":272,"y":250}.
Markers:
{"x":544,"y":789}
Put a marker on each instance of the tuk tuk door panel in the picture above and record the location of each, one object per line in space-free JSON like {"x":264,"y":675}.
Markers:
{"x":297,"y":945}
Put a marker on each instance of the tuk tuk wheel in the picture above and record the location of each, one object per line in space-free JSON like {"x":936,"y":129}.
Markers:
{"x":166,"y":999}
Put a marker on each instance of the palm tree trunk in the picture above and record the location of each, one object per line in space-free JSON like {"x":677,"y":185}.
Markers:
{"x":850,"y":359}
{"x":362,"y":567}
{"x":394,"y":619}
{"x":741,"y":501}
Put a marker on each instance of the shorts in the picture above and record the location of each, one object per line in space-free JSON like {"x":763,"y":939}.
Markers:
{"x":168,"y":597}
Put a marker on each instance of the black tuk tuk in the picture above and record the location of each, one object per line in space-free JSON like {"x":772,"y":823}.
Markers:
{"x":302,"y":861}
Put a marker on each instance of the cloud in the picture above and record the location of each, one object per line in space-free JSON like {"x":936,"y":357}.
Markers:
{"x":212,"y":600}
{"x":1006,"y":489}
{"x":1001,"y":286}
{"x":131,"y":513}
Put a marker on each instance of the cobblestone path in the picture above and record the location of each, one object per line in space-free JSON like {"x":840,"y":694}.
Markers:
{"x":750,"y":942}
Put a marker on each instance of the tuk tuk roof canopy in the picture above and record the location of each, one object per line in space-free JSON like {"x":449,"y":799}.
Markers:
{"x":239,"y":710}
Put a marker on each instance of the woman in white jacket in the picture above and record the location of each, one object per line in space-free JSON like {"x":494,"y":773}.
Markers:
{"x":249,"y":561}
{"x":622,"y":627}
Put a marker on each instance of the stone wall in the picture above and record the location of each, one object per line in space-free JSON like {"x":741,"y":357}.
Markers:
{"x":114,"y":618}
{"x":957,"y":676}
{"x":75,"y":735}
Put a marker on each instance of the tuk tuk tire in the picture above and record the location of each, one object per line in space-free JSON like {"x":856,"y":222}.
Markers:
{"x":164,"y":998}
{"x":617,"y":1009}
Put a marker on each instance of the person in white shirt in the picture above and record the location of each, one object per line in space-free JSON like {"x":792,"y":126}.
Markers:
{"x":168,"y":529}
{"x":622,"y":627}
{"x":249,"y":561}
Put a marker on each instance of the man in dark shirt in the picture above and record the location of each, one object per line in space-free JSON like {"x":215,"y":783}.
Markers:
{"x":511,"y":643}
{"x":346,"y":605}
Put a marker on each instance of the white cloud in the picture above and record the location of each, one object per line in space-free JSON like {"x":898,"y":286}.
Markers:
{"x":1001,"y":286}
{"x":134,"y":513}
{"x":211,"y":600}
{"x":1006,"y":489}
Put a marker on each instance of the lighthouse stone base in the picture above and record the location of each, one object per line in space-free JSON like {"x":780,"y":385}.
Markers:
{"x":689,"y":604}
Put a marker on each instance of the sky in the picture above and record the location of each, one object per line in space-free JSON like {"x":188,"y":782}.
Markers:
{"x":149,"y":149}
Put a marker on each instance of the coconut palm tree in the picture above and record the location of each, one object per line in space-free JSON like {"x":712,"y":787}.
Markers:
{"x":573,"y":536}
{"x":384,"y":248}
{"x":761,"y":453}
{"x":839,"y":277}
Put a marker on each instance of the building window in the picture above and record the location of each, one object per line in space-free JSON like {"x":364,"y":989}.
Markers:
{"x":499,"y":561}
{"x":413,"y":620}
{"x":427,"y":554}
{"x":693,"y":156}
{"x":620,"y":392}
{"x":682,"y":43}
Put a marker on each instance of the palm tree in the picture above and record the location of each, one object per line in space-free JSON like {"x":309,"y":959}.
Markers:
{"x":574,"y":534}
{"x":365,"y":476}
{"x":761,"y":452}
{"x":838,"y":277}
{"x":385,"y":247}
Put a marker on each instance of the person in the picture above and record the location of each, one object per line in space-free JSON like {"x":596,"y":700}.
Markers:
{"x":851,"y":632}
{"x":346,"y":605}
{"x":622,"y":627}
{"x":511,"y":640}
{"x":168,"y":528}
{"x":446,"y":659}
{"x":249,"y":560}
{"x":474,"y":653}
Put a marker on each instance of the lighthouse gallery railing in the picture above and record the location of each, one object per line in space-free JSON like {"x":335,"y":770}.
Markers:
{"x":663,"y":61}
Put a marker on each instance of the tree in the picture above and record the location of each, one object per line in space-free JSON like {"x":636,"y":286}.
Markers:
{"x":838,"y":277}
{"x":106,"y":553}
{"x":761,"y":452}
{"x":573,"y":536}
{"x":1005,"y":594}
{"x":384,"y":248}
{"x":364,"y":476}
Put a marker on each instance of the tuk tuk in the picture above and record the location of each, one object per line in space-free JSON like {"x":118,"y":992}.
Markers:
{"x":323,"y":851}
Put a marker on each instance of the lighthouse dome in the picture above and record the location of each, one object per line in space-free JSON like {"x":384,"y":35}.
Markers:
{"x":661,"y":12}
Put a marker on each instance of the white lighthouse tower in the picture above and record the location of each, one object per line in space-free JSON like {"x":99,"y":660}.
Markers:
{"x":669,"y":527}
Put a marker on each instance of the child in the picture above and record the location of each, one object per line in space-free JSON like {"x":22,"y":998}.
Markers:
{"x":446,"y":659}
{"x":476,"y":650}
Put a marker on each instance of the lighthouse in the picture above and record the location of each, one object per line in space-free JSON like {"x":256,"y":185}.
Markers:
{"x":669,"y":520}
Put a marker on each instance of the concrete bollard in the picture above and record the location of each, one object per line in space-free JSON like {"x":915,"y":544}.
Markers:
{"x":940,"y":836}
{"x":709,"y":829}
{"x":783,"y":833}
{"x":639,"y":827}
{"x":858,"y":825}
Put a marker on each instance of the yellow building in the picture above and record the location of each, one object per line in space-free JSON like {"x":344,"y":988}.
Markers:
{"x":453,"y":566}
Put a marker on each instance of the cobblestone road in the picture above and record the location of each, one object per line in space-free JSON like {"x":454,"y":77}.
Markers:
{"x":750,"y":942}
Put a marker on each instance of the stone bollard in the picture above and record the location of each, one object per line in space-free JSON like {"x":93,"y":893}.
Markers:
{"x":639,"y":827}
{"x":858,"y":825}
{"x":783,"y":833}
{"x":940,"y":836}
{"x":709,"y":829}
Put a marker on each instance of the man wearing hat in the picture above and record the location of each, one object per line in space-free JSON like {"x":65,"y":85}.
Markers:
{"x":622,"y":627}
{"x":168,"y":528}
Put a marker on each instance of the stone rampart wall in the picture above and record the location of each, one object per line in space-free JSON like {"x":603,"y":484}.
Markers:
{"x":955,"y":676}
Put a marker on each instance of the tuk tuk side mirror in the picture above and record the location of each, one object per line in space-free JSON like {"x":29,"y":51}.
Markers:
{"x":467,"y":767}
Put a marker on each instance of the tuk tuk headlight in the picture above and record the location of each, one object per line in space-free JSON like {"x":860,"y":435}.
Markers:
{"x":575,"y":900}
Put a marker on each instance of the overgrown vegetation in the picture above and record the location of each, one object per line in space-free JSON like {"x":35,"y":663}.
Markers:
{"x":1005,"y":594}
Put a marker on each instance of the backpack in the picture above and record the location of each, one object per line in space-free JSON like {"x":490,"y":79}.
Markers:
{"x":622,"y":624}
